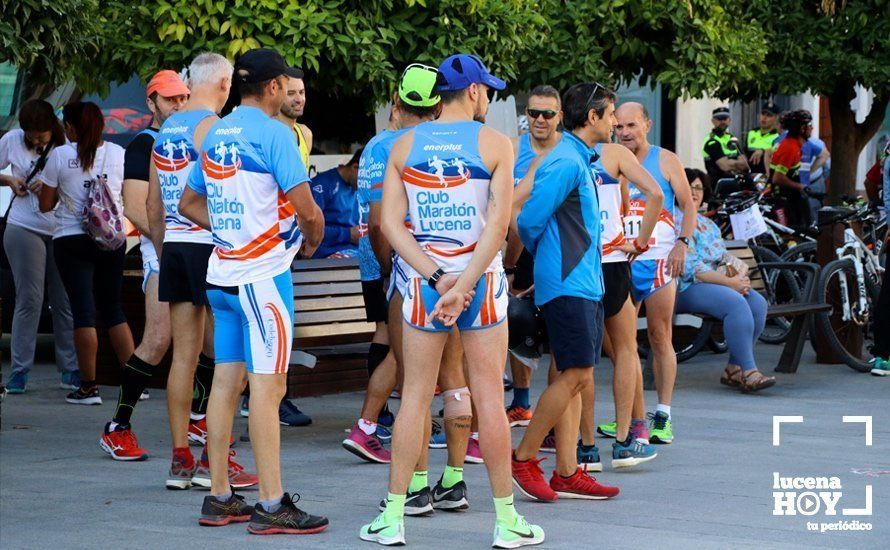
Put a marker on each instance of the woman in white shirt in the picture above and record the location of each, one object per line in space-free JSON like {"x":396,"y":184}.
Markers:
{"x":27,"y":243}
{"x":92,"y":276}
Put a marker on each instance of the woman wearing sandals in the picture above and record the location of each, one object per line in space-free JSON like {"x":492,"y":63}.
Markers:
{"x":716,"y":283}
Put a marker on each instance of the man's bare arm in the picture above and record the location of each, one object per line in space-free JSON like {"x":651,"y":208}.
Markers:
{"x":630,"y":168}
{"x":193,"y":206}
{"x":309,"y":217}
{"x":154,"y":208}
{"x":379,"y":244}
{"x":135,"y":194}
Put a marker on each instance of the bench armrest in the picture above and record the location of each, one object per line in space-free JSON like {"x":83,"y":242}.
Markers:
{"x":811,"y":271}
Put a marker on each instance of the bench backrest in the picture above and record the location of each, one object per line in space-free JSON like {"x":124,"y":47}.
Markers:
{"x":740,"y":250}
{"x":329,"y":304}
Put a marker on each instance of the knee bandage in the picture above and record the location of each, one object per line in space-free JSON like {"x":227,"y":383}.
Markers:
{"x":457,"y":403}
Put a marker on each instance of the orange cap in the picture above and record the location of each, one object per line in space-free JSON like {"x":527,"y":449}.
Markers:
{"x":166,"y":83}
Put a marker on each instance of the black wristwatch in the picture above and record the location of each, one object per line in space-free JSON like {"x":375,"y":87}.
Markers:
{"x":434,"y":278}
{"x":509,"y":270}
{"x":684,"y":240}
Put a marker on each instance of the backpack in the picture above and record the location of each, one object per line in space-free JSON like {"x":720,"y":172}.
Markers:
{"x":102,"y":216}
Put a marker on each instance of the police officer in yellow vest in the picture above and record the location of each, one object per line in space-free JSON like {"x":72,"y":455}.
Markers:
{"x":760,"y":140}
{"x":721,"y":152}
{"x":291,"y":110}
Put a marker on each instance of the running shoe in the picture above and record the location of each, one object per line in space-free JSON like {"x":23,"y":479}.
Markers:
{"x":529,"y":478}
{"x":244,"y":410}
{"x":580,"y":485}
{"x":518,"y":416}
{"x":508,"y":384}
{"x":519,"y":533}
{"x":198,"y":431}
{"x":549,"y":444}
{"x":18,"y":382}
{"x":216,"y":512}
{"x":632,"y":452}
{"x":474,"y":453}
{"x":180,"y":475}
{"x":453,"y":499}
{"x":384,"y":426}
{"x":290,"y":415}
{"x":638,"y":429}
{"x":384,"y":531}
{"x":70,"y":380}
{"x":395,"y":394}
{"x":367,"y":447}
{"x":121,"y":444}
{"x":880,"y":366}
{"x":238,"y":478}
{"x":287,"y":520}
{"x":437,"y":437}
{"x":418,"y":503}
{"x":144,"y":396}
{"x":660,"y":428}
{"x":79,"y":397}
{"x":589,"y":458}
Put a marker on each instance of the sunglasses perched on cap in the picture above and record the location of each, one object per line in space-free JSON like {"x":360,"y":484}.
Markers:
{"x":533,"y":114}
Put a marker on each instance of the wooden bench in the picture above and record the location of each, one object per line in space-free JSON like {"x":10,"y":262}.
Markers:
{"x":331,"y":332}
{"x":800,"y":311}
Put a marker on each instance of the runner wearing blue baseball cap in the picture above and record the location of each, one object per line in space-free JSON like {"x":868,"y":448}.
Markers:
{"x":454,"y":176}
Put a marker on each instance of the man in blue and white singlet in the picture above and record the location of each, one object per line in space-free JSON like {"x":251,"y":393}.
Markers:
{"x":655,"y":269}
{"x":454,"y":177}
{"x":183,"y":249}
{"x":251,"y":191}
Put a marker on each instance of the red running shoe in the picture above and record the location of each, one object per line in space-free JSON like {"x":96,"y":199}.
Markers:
{"x":518,"y":416}
{"x":474,"y":453}
{"x":238,"y":478}
{"x":529,"y":478}
{"x":121,"y":444}
{"x":198,"y":431}
{"x":581,"y":485}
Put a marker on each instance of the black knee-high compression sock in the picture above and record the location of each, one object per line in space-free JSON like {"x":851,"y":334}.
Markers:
{"x":134,"y":379}
{"x":203,"y":381}
{"x":376,"y":355}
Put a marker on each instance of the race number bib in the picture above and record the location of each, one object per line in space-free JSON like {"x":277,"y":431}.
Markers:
{"x":632,"y":223}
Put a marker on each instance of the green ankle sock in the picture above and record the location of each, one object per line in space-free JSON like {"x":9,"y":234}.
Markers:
{"x":452,"y":477}
{"x":418,"y":482}
{"x":506,"y":513}
{"x":395,"y":507}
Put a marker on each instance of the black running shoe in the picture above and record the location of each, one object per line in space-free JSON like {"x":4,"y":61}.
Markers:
{"x":216,"y":512}
{"x":452,"y":499}
{"x":287,"y":520}
{"x":419,"y":503}
{"x":80,"y":397}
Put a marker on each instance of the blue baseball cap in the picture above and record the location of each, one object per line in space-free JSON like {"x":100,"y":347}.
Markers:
{"x":460,"y":70}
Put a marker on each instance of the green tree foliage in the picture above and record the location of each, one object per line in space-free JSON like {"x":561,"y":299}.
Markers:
{"x":827,"y":47}
{"x":49,"y":38}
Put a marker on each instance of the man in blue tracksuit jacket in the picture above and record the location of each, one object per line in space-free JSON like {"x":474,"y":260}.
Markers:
{"x":560,"y":225}
{"x":335,"y":192}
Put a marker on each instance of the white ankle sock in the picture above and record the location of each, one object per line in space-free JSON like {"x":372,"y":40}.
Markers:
{"x":368,"y":427}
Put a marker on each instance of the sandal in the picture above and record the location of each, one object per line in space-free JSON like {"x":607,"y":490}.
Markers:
{"x":754,"y":380}
{"x":731,"y":376}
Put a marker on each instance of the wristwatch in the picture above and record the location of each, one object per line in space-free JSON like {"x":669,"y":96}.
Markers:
{"x":510,"y":270}
{"x":684,"y":240}
{"x":434,"y":278}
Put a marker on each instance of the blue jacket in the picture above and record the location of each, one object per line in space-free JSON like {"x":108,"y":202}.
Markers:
{"x":339,"y":204}
{"x":560,"y":224}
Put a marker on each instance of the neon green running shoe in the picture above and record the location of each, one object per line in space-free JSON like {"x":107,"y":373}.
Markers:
{"x":880,"y":367}
{"x":608,"y":430}
{"x":660,"y":428}
{"x":519,"y":533}
{"x":384,"y":531}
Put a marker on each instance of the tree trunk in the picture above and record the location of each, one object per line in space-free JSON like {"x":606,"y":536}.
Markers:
{"x":849,"y":138}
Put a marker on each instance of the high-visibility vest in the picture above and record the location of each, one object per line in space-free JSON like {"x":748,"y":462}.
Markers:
{"x":759,"y":140}
{"x":728,"y":143}
{"x":303,"y":145}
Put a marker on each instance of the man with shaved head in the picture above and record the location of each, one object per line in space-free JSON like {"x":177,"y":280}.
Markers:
{"x":654,"y":269}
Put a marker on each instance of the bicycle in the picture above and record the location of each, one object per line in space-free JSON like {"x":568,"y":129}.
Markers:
{"x":851,"y":284}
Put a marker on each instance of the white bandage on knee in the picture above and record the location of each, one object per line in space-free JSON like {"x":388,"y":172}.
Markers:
{"x":457,"y":403}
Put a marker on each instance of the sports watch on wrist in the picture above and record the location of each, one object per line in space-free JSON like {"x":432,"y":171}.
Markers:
{"x":684,"y":240}
{"x":434,"y":278}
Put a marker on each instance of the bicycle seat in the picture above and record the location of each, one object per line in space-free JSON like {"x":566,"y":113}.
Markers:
{"x":828,"y":215}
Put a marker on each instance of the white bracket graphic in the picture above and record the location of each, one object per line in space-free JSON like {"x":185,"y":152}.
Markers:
{"x":779,"y":420}
{"x":862,"y":420}
{"x":861,"y":511}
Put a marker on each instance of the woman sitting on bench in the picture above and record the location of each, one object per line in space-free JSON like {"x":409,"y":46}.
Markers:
{"x":716,"y":283}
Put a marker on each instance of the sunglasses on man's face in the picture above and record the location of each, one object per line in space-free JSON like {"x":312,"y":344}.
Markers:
{"x":533,"y":114}
{"x":490,"y":92}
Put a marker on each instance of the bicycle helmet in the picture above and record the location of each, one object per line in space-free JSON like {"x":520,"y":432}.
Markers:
{"x":525,"y":327}
{"x":793,"y":121}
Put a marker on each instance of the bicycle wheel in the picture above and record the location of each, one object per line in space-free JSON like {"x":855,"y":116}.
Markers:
{"x":781,"y":287}
{"x":687,"y":342}
{"x":833,"y":327}
{"x":803,"y":252}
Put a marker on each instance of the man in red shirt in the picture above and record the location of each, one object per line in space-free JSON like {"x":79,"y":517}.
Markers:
{"x":785,"y":165}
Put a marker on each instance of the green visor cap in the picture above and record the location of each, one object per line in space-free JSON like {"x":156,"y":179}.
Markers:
{"x":417,"y":87}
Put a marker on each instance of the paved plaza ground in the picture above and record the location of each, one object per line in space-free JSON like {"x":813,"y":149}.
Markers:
{"x":713,"y":488}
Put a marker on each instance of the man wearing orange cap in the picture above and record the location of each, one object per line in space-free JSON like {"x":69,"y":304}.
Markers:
{"x":166,"y":94}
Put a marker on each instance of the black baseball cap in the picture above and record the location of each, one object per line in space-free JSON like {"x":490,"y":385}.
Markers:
{"x":769,"y":107}
{"x":261,"y":64}
{"x":720,"y":112}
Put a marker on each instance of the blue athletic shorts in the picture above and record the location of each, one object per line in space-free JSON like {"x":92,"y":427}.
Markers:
{"x":254,"y":324}
{"x":648,"y":276}
{"x":488,"y":308}
{"x":575,"y":331}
